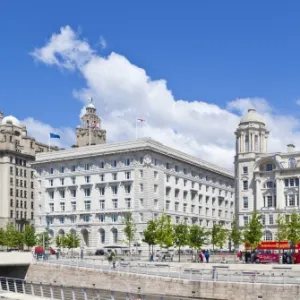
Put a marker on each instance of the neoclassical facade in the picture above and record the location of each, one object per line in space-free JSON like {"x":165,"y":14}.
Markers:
{"x":266,"y":182}
{"x":17,"y":152}
{"x":88,"y":189}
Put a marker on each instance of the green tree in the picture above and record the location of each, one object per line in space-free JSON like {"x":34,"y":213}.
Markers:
{"x":29,"y":236}
{"x":281,"y":229}
{"x":235,"y":235}
{"x":2,"y":237}
{"x":218,"y":236}
{"x":164,"y":233}
{"x":197,"y":237}
{"x":12,"y":237}
{"x":150,"y":234}
{"x":59,"y":241}
{"x":129,"y":229}
{"x":180,"y":236}
{"x":293,"y":229}
{"x":71,"y":240}
{"x":44,"y":239}
{"x":253,"y":231}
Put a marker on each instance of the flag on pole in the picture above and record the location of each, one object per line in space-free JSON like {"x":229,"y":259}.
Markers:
{"x":54,"y":136}
{"x":136,"y":125}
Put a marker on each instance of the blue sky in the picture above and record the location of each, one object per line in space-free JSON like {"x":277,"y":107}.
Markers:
{"x":210,"y":51}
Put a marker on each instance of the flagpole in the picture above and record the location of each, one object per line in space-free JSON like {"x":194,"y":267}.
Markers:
{"x":136,"y":128}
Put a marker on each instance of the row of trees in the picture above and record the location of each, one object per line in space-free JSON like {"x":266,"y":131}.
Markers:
{"x":287,"y":229}
{"x":12,"y":238}
{"x":165,"y":234}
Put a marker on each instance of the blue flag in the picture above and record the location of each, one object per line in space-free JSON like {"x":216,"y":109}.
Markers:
{"x":54,"y":136}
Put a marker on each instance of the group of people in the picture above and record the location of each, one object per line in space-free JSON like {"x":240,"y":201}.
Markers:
{"x":204,"y":254}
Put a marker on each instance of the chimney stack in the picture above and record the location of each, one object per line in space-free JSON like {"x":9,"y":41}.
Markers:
{"x":290,"y":148}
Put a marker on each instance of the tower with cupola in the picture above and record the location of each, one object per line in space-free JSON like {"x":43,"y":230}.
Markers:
{"x":251,"y":142}
{"x":90,"y":132}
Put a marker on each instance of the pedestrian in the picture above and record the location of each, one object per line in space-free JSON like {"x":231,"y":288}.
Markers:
{"x":207,"y":255}
{"x":201,"y":257}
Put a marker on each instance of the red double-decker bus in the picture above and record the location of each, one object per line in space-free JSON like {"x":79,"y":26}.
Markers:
{"x":270,"y":251}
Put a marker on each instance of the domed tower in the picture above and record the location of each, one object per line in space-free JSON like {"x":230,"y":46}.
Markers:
{"x":251,"y":135}
{"x":90,"y":132}
{"x":251,"y":143}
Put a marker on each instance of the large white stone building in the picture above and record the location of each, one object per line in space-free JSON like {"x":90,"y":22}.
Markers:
{"x":17,"y":152}
{"x":88,"y":189}
{"x":266,"y":182}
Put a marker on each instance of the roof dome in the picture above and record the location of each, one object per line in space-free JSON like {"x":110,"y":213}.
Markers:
{"x":252,"y":116}
{"x":11,"y":119}
{"x":91,"y":105}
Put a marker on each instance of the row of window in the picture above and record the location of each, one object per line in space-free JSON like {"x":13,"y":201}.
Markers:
{"x":21,"y":183}
{"x":18,"y":161}
{"x":127,"y":162}
{"x":21,"y":215}
{"x":289,"y":182}
{"x":87,"y":192}
{"x":193,"y":209}
{"x":214,"y":190}
{"x":21,"y":172}
{"x":20,"y":193}
{"x":87,"y":204}
{"x":114,"y":218}
{"x":87,"y":167}
{"x":21,"y":204}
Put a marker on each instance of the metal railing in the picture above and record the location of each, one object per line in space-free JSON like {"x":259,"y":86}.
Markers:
{"x":60,"y":292}
{"x":277,"y":275}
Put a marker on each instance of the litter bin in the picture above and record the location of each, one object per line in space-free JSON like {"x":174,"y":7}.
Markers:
{"x":280,"y":259}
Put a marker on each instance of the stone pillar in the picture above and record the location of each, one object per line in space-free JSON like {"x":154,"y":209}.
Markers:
{"x":258,"y":201}
{"x":280,"y":201}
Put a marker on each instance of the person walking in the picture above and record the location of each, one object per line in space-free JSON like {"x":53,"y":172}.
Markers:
{"x":207,"y":255}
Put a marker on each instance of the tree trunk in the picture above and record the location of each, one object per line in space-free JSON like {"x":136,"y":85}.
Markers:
{"x":179,"y":254}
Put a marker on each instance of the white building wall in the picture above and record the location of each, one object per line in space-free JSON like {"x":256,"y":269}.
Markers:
{"x":149,"y":170}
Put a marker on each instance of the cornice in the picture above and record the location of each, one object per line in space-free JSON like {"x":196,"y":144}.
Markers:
{"x":145,"y":144}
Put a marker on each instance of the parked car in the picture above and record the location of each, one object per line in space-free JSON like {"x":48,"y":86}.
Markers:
{"x":99,"y":252}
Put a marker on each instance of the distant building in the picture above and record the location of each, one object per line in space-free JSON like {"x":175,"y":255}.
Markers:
{"x":17,"y":152}
{"x":266,"y":182}
{"x":87,"y":190}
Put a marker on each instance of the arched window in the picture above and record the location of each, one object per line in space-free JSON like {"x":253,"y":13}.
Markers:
{"x":268,"y":236}
{"x":102,"y":236}
{"x":292,"y":162}
{"x":115,"y":235}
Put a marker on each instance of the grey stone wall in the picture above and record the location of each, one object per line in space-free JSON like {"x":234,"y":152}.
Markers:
{"x":136,"y":283}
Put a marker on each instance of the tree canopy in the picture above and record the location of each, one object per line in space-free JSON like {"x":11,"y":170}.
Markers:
{"x":253,"y":231}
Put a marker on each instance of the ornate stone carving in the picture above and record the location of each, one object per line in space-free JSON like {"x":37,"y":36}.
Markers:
{"x":147,"y":160}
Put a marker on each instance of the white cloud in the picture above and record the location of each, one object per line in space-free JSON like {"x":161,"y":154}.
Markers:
{"x":64,"y":50}
{"x":298,"y":102}
{"x":123,"y":91}
{"x":102,"y":42}
{"x":40,"y":131}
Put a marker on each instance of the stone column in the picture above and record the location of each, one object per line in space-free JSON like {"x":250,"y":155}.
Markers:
{"x":258,"y":201}
{"x":280,"y":201}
